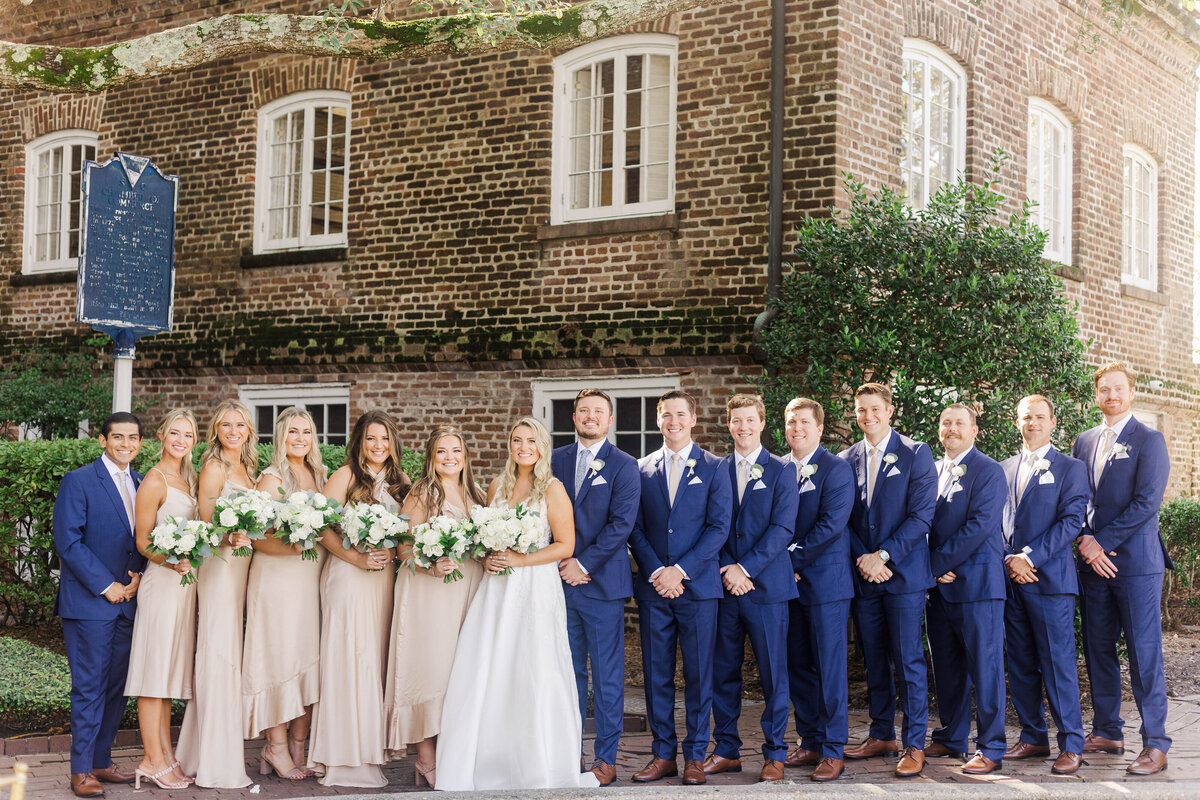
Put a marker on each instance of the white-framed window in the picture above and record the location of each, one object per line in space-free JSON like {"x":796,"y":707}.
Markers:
{"x":54,"y":199}
{"x":1139,"y":220}
{"x":303,"y":172}
{"x":1048,"y":177}
{"x":614,"y":129}
{"x":329,"y":404}
{"x":635,"y":408}
{"x":1147,"y":418}
{"x":933,"y":136}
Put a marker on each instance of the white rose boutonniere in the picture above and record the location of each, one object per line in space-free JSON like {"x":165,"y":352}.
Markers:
{"x":890,"y":458}
{"x":756,"y":471}
{"x":691,"y":465}
{"x":1041,"y":465}
{"x":957,"y":471}
{"x":1119,"y":450}
{"x":808,"y":470}
{"x":595,"y":465}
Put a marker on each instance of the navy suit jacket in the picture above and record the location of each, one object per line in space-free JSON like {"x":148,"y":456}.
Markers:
{"x":967,"y":536}
{"x":899,"y":516}
{"x":1047,"y":519}
{"x":689,"y":533}
{"x":821,"y":541}
{"x":94,"y":543}
{"x":1126,"y":501}
{"x":605,"y":510}
{"x":761,"y":526}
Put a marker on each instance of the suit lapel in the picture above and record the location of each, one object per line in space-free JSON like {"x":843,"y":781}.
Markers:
{"x":684,"y":477}
{"x":561,"y":468}
{"x":1126,"y":434}
{"x":737,"y":503}
{"x":1035,"y":478}
{"x":1093,"y":444}
{"x":660,"y":471}
{"x":601,"y":454}
{"x":110,"y":488}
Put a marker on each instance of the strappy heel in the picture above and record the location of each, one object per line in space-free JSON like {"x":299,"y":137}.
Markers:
{"x":140,"y":773}
{"x":427,"y":774}
{"x":266,"y":765}
{"x":186,"y":778}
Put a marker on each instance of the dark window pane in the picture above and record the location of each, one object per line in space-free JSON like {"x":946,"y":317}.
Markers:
{"x":629,"y":414}
{"x":318,"y":415}
{"x":265,"y":420}
{"x":631,"y":443}
{"x":653,"y":442}
{"x":650,"y":421}
{"x":336,"y":439}
{"x":561,"y":413}
{"x":561,"y":439}
{"x":337,"y":418}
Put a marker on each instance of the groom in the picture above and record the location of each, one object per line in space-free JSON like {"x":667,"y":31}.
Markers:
{"x":97,"y":588}
{"x":682,"y":522}
{"x":604,"y":487}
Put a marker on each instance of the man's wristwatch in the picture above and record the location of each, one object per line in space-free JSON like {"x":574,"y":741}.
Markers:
{"x":883,"y":555}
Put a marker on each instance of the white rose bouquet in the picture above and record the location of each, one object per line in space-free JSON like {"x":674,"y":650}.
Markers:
{"x":518,"y":529}
{"x":441,"y":537}
{"x":179,"y":539}
{"x":250,"y":512}
{"x":300,"y":519}
{"x":370,"y":526}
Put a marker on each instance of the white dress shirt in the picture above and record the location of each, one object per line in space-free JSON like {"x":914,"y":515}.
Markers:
{"x":118,"y":475}
{"x":1022,"y":468}
{"x":667,"y":454}
{"x":751,"y":460}
{"x":592,"y":452}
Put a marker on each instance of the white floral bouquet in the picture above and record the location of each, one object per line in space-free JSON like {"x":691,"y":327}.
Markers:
{"x":518,"y":529}
{"x":250,"y":512}
{"x":300,"y":519}
{"x":370,"y":526}
{"x":179,"y":539}
{"x":441,"y":537}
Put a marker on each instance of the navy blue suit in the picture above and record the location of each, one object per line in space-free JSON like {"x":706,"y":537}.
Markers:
{"x":965,"y":618}
{"x":888,"y":614}
{"x":820,"y":555}
{"x":759,"y":533}
{"x":688,"y":534}
{"x":1125,"y":521}
{"x":605,"y":509}
{"x":95,"y":548}
{"x":1039,"y":618}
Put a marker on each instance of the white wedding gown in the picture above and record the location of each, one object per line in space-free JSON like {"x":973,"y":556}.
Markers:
{"x":511,"y":714}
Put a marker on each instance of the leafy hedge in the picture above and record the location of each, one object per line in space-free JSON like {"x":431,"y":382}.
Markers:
{"x":29,"y":476}
{"x":1179,"y":522}
{"x":35,"y":693}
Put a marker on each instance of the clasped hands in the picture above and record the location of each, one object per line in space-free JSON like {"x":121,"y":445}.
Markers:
{"x":1020,"y":570}
{"x":736,"y":581}
{"x":873,"y":568}
{"x":571,"y":573}
{"x":497,"y":562}
{"x":376,"y":559}
{"x":1095,"y":557}
{"x":123,"y":592}
{"x":668,"y":582}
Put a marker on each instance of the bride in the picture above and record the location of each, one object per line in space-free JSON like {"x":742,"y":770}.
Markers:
{"x":511,"y":714}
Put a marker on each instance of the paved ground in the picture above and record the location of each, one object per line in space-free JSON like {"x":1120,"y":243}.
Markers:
{"x":1102,"y":776}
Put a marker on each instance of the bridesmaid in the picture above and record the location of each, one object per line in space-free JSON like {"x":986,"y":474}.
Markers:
{"x":429,"y":612}
{"x":210,"y":742}
{"x":356,"y":612}
{"x":280,"y":661}
{"x":164,"y":630}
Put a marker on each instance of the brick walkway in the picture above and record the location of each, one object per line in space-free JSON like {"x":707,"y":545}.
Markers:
{"x":1102,"y":775}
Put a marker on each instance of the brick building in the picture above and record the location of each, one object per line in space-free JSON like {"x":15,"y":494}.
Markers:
{"x":470,"y":239}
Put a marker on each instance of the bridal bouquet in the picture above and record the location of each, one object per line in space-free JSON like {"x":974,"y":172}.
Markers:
{"x":518,"y":529}
{"x":250,"y":512}
{"x":369,"y":526}
{"x":439,"y":537}
{"x":180,"y":539}
{"x":300,"y":519}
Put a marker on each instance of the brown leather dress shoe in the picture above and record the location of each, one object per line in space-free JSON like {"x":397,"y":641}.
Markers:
{"x":911,"y":762}
{"x":1067,"y":763}
{"x":801,"y":757}
{"x":873,"y":747}
{"x":1025,"y":750}
{"x":772,"y":770}
{"x":830,"y":769}
{"x":936,"y":748}
{"x":84,"y":784}
{"x":1098,"y":744}
{"x":656,"y":770}
{"x":693,"y":773}
{"x":715,"y":764}
{"x":980,"y":765}
{"x":604,"y":772}
{"x":1150,"y":761}
{"x":113,"y":775}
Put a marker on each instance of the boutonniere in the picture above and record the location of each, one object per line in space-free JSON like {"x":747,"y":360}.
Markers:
{"x":595,"y":465}
{"x":808,"y":470}
{"x":1041,"y":465}
{"x":890,"y":458}
{"x":958,"y":470}
{"x":691,"y":465}
{"x":1119,"y":450}
{"x":756,"y":471}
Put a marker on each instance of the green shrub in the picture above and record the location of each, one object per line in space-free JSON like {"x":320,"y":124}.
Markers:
{"x":35,"y":692}
{"x":1179,"y":523}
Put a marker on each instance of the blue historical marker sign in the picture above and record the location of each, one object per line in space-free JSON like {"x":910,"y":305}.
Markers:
{"x":127,"y":250}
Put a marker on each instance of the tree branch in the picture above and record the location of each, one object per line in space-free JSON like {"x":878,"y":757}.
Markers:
{"x":94,"y":69}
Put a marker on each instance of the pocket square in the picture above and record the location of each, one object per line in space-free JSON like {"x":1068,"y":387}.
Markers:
{"x":1120,"y":456}
{"x":891,"y":472}
{"x":1047,"y":477}
{"x":695,"y":480}
{"x":759,"y":484}
{"x":807,"y":486}
{"x":599,"y":481}
{"x":954,"y":489}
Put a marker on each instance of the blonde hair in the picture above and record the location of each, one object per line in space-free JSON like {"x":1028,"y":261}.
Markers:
{"x":186,"y":470}
{"x":215,"y":451}
{"x":279,"y":459}
{"x":541,"y":470}
{"x":429,"y":486}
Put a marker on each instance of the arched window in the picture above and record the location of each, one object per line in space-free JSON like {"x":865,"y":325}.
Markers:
{"x":614,"y":129}
{"x":934,"y":121}
{"x":1139,"y":220}
{"x":1048,"y":177}
{"x":303,"y":172}
{"x":54,"y":199}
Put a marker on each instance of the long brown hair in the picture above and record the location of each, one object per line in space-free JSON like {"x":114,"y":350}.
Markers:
{"x":429,"y":486}
{"x":362,"y":483}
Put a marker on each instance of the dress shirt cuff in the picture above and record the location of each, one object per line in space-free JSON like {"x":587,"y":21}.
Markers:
{"x":686,"y":577}
{"x":745,"y":571}
{"x":584,"y":569}
{"x":1023,"y":554}
{"x":111,"y":585}
{"x":654,"y":574}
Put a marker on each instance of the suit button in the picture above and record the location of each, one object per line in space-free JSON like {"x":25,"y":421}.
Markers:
{"x":670,"y":530}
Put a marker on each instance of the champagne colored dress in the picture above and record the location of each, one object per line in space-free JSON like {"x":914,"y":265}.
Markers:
{"x":356,"y":610}
{"x":164,"y":630}
{"x":281,"y":657}
{"x":425,"y":622}
{"x":210,"y":742}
